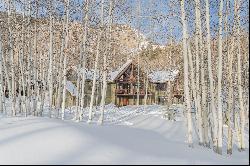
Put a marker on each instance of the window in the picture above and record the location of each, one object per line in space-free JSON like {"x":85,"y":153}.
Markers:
{"x":161,"y":86}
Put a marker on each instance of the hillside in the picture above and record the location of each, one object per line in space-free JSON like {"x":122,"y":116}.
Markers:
{"x":124,"y":39}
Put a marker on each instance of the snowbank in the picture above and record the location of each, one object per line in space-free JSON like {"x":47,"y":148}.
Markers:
{"x":151,"y":140}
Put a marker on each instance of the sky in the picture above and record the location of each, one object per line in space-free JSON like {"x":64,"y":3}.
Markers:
{"x":158,"y":21}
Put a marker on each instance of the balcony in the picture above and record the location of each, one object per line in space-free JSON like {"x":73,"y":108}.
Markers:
{"x":130,"y":92}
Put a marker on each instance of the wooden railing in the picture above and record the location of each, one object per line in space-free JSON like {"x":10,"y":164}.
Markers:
{"x":130,"y":92}
{"x":178,"y":93}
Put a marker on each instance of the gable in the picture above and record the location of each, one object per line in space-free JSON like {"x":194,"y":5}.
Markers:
{"x":129,"y":74}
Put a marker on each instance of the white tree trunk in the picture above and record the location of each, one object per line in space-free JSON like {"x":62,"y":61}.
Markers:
{"x":104,"y":74}
{"x":211,"y":80}
{"x":99,"y":37}
{"x":65,"y":60}
{"x":11,"y":87}
{"x":105,"y":63}
{"x":242,"y":112}
{"x":23,"y":98}
{"x":230,"y":97}
{"x":230,"y":84}
{"x":64,"y":86}
{"x":219,"y":98}
{"x":83,"y":51}
{"x":186,"y":82}
{"x":193,"y":88}
{"x":13,"y":80}
{"x":1,"y":75}
{"x":43,"y":91}
{"x":35,"y":68}
{"x":29,"y":59}
{"x":199,"y":49}
{"x":94,"y":79}
{"x":60,"y":76}
{"x":50,"y":72}
{"x":191,"y":66}
{"x":138,"y":56}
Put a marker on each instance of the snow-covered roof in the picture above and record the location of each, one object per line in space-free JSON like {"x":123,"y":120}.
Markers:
{"x":163,"y":75}
{"x":71,"y":88}
{"x":89,"y":73}
{"x":114,"y":74}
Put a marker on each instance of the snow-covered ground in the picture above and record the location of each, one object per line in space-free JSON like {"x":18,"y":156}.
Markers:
{"x":129,"y":135}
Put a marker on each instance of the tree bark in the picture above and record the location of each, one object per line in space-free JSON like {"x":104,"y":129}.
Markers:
{"x":83,"y":51}
{"x":211,"y":81}
{"x":186,"y":79}
{"x":242,"y":112}
{"x":105,"y":61}
{"x":199,"y":49}
{"x":1,"y":75}
{"x":219,"y":98}
{"x":65,"y":59}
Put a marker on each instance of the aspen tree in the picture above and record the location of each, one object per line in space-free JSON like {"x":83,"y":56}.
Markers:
{"x":79,"y":66}
{"x":35,"y":68}
{"x":186,"y":80}
{"x":191,"y":66}
{"x":138,"y":56}
{"x":230,"y":86}
{"x":204,"y":97}
{"x":30,"y":63}
{"x":198,"y":48}
{"x":211,"y":81}
{"x":23,"y":100}
{"x":83,"y":51}
{"x":65,"y":59}
{"x":43,"y":93}
{"x":99,"y":36}
{"x":94,"y":88}
{"x":219,"y":98}
{"x":1,"y":75}
{"x":77,"y":97}
{"x":64,"y":86}
{"x":50,"y":74}
{"x":60,"y":67}
{"x":193,"y":88}
{"x":19,"y":103}
{"x":105,"y":63}
{"x":242,"y":112}
{"x":29,"y":60}
{"x":11,"y":87}
{"x":7,"y":81}
{"x":151,"y":32}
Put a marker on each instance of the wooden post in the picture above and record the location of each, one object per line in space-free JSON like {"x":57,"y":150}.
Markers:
{"x":115,"y":94}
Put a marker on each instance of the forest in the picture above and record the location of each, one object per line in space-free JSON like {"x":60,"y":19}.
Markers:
{"x":206,"y":41}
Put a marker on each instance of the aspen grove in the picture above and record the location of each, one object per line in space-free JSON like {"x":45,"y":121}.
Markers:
{"x":45,"y":44}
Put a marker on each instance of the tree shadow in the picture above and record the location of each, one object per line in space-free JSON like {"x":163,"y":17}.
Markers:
{"x":5,"y":141}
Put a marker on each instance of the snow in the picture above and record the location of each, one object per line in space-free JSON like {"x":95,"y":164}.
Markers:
{"x":89,"y":73}
{"x":159,"y":76}
{"x":163,"y":76}
{"x":129,"y":135}
{"x":112,"y":75}
{"x":71,"y":88}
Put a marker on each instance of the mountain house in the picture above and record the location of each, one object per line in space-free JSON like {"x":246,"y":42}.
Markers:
{"x":163,"y":86}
